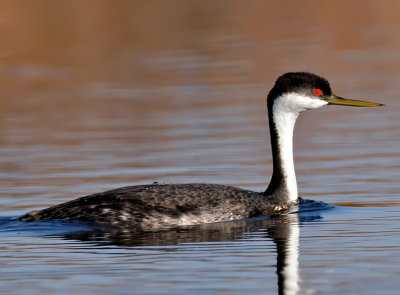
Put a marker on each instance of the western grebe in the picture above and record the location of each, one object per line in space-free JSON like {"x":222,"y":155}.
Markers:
{"x":157,"y":206}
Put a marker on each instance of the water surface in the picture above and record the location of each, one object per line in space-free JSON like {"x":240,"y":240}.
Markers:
{"x":130,"y":93}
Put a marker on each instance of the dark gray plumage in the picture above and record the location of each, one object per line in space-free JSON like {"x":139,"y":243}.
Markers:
{"x":156,"y":206}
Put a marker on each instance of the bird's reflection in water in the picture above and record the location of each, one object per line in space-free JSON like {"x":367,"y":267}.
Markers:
{"x":284,"y":230}
{"x":286,"y":233}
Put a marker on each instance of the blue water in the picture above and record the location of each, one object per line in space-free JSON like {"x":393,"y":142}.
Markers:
{"x":162,"y":261}
{"x":337,"y":249}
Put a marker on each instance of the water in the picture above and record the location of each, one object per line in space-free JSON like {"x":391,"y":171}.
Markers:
{"x":109,"y":98}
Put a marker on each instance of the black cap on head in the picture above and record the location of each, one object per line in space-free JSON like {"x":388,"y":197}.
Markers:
{"x":301,"y":82}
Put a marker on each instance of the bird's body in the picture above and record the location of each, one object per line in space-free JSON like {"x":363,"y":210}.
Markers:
{"x":158,"y":206}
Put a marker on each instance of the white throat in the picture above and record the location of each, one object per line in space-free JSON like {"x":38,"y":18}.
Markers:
{"x":286,"y":109}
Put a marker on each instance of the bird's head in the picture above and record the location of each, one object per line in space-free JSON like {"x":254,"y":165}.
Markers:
{"x":301,"y":91}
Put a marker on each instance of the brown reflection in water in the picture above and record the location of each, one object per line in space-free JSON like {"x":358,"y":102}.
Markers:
{"x":374,"y":204}
{"x":186,"y":42}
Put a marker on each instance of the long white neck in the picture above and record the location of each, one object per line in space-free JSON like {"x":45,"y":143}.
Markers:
{"x":282,"y":118}
{"x":283,"y":112}
{"x":284,"y":123}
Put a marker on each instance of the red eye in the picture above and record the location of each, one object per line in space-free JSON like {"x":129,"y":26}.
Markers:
{"x":318,"y":92}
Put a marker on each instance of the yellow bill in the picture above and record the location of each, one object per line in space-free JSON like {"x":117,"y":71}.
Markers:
{"x":350,"y":102}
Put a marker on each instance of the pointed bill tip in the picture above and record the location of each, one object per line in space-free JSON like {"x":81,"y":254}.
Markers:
{"x":336,"y":100}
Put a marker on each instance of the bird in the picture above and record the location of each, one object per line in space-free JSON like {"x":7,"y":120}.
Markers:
{"x":157,"y":206}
